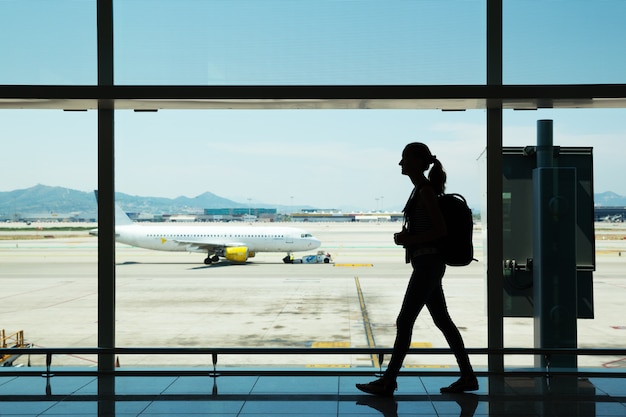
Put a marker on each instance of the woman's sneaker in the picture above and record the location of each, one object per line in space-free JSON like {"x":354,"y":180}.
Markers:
{"x":379,"y":387}
{"x":462,"y":385}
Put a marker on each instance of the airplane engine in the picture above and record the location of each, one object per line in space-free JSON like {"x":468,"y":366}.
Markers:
{"x":236,"y":254}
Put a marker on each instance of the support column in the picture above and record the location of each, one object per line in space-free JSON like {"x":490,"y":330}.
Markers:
{"x":554,"y":254}
{"x":106,"y":190}
{"x":495,"y":308}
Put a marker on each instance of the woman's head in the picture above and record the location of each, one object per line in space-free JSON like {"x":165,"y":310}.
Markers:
{"x":416,"y":158}
{"x":418,"y":150}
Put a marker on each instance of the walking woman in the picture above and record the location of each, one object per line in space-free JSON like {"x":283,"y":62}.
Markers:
{"x":424,"y":225}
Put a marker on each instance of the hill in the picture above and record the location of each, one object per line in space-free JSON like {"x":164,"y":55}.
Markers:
{"x":609,"y":199}
{"x":45,"y":200}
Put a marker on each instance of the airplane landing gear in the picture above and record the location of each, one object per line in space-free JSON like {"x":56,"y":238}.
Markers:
{"x":210,"y":259}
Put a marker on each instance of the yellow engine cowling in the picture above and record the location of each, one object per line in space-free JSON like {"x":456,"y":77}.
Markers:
{"x":236,"y":253}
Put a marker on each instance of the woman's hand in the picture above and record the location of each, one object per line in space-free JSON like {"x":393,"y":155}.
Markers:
{"x":402,"y":238}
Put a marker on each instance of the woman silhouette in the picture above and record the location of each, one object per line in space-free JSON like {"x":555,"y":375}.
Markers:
{"x":424,"y":225}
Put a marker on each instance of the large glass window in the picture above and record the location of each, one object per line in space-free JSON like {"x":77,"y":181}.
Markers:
{"x":48,"y":42}
{"x":602,"y":130}
{"x":331,"y":161}
{"x":278,"y":42}
{"x":558,"y":42}
{"x":48,"y":259}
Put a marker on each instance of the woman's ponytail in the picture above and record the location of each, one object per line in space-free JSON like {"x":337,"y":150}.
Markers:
{"x":437,"y":176}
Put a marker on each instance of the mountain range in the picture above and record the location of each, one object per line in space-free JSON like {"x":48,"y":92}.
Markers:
{"x":43,"y":199}
{"x":609,"y":199}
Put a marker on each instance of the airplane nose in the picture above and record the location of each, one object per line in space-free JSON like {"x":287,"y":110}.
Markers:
{"x":315,"y":243}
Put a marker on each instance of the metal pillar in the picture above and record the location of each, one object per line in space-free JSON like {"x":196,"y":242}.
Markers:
{"x":495,"y":310}
{"x":106,"y":191}
{"x":554,"y":254}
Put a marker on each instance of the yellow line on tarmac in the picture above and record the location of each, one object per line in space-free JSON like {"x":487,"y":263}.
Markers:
{"x":366,"y":323}
{"x":330,"y":344}
{"x":321,"y":365}
{"x":354,"y":265}
{"x":427,"y":366}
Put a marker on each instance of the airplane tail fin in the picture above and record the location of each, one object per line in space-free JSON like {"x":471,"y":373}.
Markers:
{"x":121,"y":218}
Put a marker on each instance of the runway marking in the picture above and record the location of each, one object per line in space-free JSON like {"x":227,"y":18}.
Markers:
{"x":367,"y":324}
{"x":328,"y":366}
{"x":428,"y":366}
{"x":421,"y":345}
{"x":330,"y":344}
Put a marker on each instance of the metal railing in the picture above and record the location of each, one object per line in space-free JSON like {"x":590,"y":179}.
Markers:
{"x":210,"y":366}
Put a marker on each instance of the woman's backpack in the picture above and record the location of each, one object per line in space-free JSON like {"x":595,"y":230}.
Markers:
{"x":456,"y":247}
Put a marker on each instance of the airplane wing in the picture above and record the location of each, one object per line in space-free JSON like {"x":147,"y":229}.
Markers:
{"x":205,"y":246}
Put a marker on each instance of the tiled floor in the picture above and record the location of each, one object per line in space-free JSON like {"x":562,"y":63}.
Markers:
{"x":286,"y":396}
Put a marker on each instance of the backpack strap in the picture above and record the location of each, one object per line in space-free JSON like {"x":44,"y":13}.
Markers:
{"x":407,"y":206}
{"x":414,"y":195}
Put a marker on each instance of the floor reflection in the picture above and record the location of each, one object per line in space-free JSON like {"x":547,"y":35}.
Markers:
{"x":125,"y":396}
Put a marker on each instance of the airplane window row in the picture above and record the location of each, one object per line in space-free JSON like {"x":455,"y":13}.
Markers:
{"x":174,"y":236}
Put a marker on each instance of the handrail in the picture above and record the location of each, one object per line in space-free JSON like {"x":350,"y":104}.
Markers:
{"x":276,"y":370}
{"x":299,"y":351}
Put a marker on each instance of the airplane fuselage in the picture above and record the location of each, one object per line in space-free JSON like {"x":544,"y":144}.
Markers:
{"x":193,"y":238}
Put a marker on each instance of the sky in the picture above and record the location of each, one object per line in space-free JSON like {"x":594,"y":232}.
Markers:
{"x":322,"y":158}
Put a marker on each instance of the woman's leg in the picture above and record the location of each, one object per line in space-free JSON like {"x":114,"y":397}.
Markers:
{"x":424,"y":280}
{"x":439,"y":311}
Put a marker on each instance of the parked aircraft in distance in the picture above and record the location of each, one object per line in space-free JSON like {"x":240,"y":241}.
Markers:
{"x":234,"y":243}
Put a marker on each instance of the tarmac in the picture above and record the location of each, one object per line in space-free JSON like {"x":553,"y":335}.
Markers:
{"x":48,"y":289}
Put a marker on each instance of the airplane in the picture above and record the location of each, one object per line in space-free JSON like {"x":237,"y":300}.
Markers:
{"x":234,"y":243}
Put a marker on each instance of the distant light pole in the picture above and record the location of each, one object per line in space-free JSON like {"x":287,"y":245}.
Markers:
{"x":249,"y":208}
{"x":382,"y":203}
